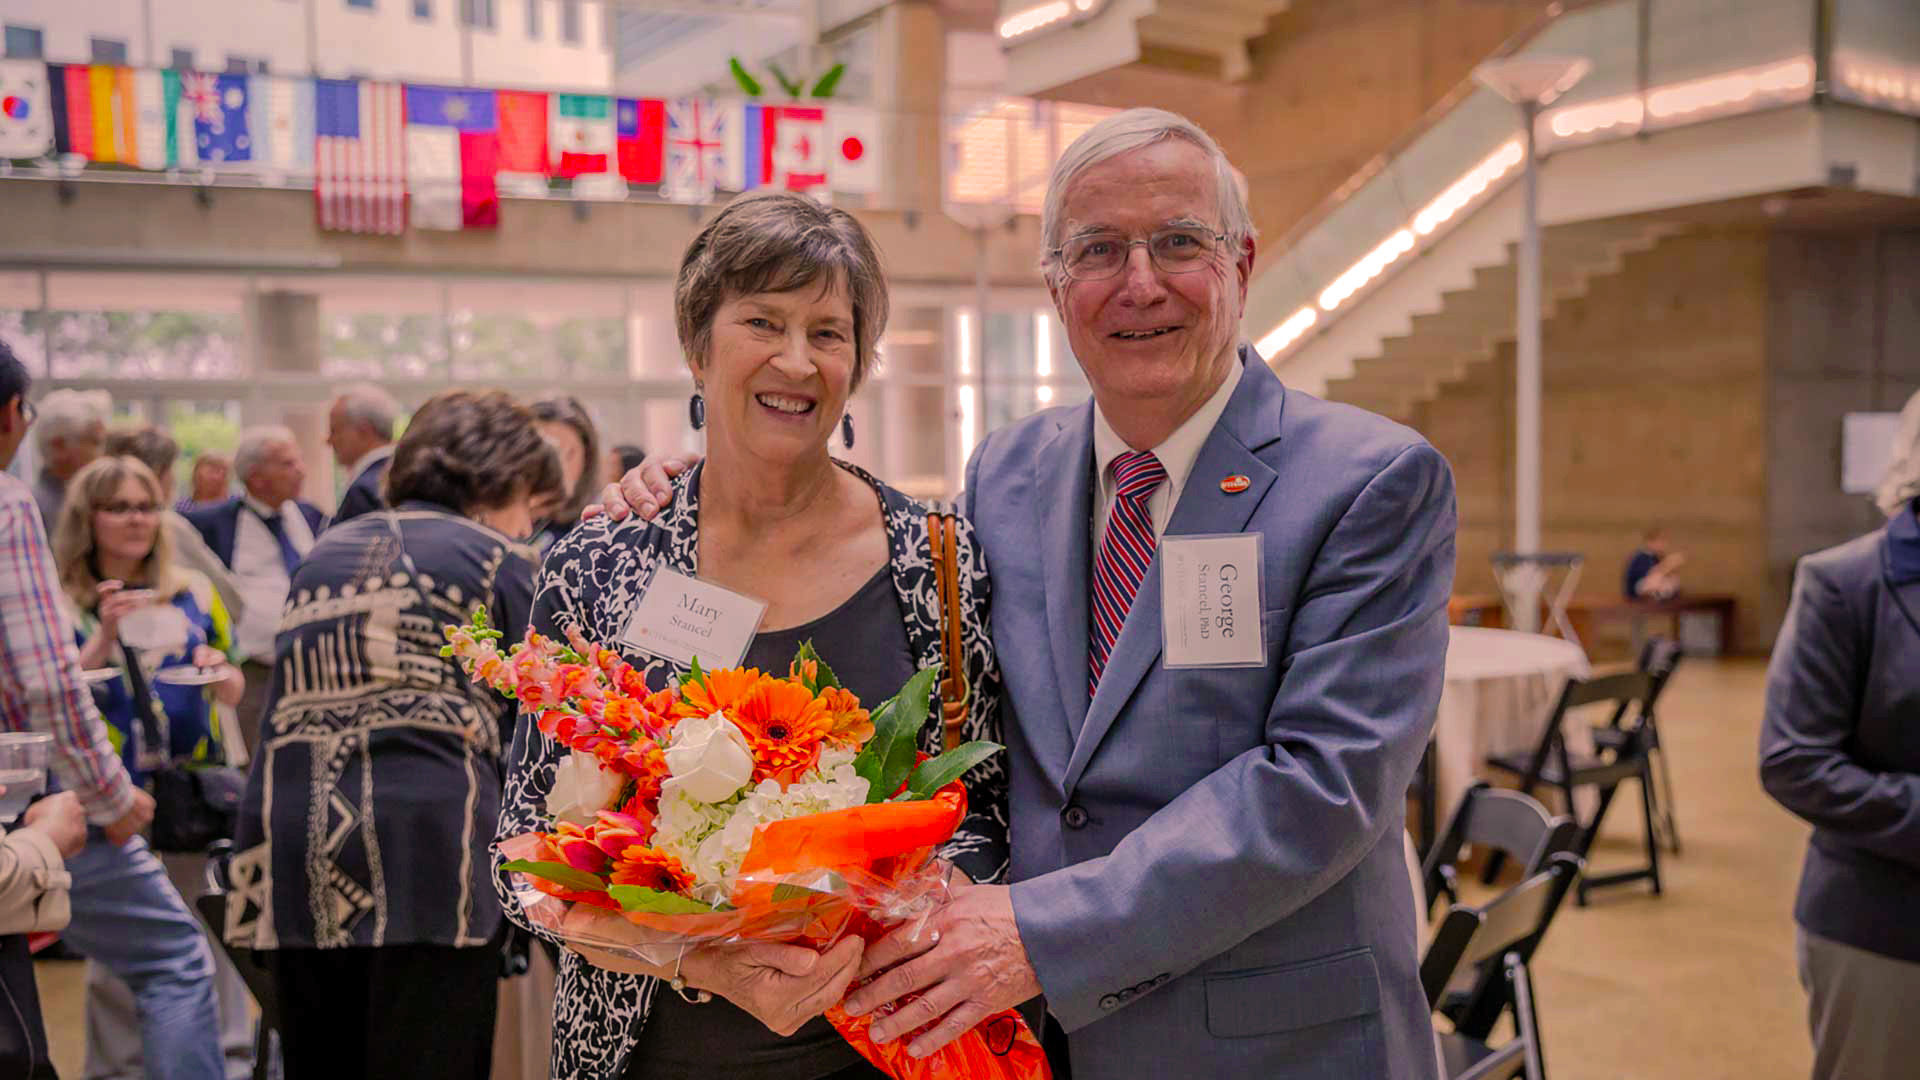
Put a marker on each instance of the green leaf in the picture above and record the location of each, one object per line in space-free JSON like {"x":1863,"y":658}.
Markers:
{"x":559,"y":873}
{"x":824,"y":678}
{"x":828,"y":82}
{"x":790,"y":86}
{"x":887,"y":759}
{"x":696,"y":676}
{"x":935,"y":773}
{"x":747,"y":82}
{"x":641,"y":898}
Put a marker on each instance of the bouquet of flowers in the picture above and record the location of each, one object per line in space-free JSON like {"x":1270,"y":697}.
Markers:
{"x":737,"y":806}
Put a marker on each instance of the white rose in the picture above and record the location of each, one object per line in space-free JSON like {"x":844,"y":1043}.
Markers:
{"x":581,"y":787}
{"x":708,"y":758}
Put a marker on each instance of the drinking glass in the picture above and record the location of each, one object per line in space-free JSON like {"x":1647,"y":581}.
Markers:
{"x":23,"y":771}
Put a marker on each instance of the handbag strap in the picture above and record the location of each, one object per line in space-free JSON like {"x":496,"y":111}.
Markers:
{"x":944,"y":532}
{"x":158,"y":748}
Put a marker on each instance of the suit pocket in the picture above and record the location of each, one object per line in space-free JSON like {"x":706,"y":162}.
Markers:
{"x":1267,"y":1001}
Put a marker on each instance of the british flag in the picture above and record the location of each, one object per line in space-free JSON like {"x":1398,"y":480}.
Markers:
{"x":696,"y":149}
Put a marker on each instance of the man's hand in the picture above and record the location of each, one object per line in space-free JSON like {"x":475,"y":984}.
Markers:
{"x":646,"y":490}
{"x":137,"y":817}
{"x":966,"y":963}
{"x":61,"y":817}
{"x":783,"y":986}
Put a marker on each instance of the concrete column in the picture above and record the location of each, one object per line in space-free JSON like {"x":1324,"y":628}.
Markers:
{"x":918,"y":71}
{"x":284,"y":328}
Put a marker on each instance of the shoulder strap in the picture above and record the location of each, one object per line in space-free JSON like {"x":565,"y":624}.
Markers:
{"x":944,"y":531}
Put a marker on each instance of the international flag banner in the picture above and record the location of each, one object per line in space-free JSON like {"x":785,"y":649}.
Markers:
{"x":26,"y":110}
{"x":640,"y":133}
{"x":71,"y":105}
{"x":183,"y":146}
{"x":155,"y":96}
{"x":111,"y":89}
{"x":698,"y":133}
{"x":220,"y":129}
{"x":359,"y":156}
{"x":280,"y":119}
{"x":523,"y":142}
{"x":853,"y":149}
{"x":453,"y":155}
{"x":583,"y":140}
{"x":782,"y":146}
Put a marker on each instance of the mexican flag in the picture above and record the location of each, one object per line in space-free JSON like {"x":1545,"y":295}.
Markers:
{"x":582,"y":140}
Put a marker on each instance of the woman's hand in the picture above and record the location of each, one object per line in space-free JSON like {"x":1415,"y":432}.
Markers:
{"x":646,"y":490}
{"x":233,"y":683}
{"x":783,"y":986}
{"x":112,"y":602}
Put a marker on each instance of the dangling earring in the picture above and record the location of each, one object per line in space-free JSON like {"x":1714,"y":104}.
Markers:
{"x":846,"y":429}
{"x":697,"y":411}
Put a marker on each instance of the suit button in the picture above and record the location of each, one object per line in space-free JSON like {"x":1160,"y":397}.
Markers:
{"x":1075,"y":817}
{"x":1110,"y":1002}
{"x":1129,"y":993}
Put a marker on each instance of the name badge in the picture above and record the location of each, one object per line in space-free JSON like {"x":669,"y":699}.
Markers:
{"x":1210,"y":601}
{"x":682,"y":618}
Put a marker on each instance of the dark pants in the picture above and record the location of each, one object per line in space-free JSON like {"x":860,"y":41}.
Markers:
{"x":424,"y":1012}
{"x":253,"y":703}
{"x":23,"y":1038}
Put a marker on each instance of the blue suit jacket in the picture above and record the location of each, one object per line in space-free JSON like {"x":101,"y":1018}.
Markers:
{"x":364,"y":493}
{"x":219,"y":522}
{"x":1209,"y":877}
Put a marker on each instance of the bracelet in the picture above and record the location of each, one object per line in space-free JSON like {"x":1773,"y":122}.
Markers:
{"x":679,"y":984}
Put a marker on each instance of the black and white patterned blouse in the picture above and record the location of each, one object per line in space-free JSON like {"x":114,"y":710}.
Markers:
{"x":592,"y":581}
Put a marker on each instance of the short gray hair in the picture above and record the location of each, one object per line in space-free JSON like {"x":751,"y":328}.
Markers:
{"x":1902,"y":483}
{"x":253,"y":446}
{"x":1132,"y":130}
{"x":365,"y":403}
{"x":69,"y":412}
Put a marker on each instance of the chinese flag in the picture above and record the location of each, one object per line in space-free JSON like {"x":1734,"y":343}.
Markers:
{"x":523,"y":131}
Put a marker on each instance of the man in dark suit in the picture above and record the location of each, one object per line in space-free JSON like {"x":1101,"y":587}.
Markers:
{"x":360,"y":430}
{"x":261,"y":535}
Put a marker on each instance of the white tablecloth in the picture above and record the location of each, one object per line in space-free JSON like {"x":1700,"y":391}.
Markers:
{"x":1500,"y":686}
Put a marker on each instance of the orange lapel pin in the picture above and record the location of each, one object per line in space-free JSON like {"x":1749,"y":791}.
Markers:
{"x":1235,"y":484}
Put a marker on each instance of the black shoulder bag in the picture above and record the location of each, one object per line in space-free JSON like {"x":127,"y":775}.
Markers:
{"x":193,"y":804}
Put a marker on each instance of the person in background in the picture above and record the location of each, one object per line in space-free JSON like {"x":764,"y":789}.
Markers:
{"x":621,"y":459}
{"x":1653,"y":572}
{"x":72,"y":425}
{"x":33,"y":900}
{"x":360,"y":426}
{"x":157,"y":451}
{"x":126,"y":914}
{"x":1840,"y":748}
{"x":207,"y":483}
{"x":564,"y":423}
{"x":381,"y":928}
{"x":261,"y":535}
{"x":115,"y":558}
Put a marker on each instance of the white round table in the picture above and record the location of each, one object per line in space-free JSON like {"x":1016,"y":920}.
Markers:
{"x":1500,"y":686}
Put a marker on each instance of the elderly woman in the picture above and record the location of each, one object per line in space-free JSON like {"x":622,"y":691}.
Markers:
{"x":1840,"y":747}
{"x":778,"y":304}
{"x":363,"y":868}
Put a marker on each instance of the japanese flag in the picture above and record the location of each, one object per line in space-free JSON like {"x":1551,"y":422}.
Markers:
{"x":853,"y":149}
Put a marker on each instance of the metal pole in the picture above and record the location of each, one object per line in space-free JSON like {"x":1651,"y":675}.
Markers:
{"x":1526,"y":406}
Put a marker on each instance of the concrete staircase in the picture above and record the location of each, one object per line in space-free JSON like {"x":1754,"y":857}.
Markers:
{"x":1467,"y":324}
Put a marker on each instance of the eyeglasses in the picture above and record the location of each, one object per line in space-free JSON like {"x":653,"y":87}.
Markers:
{"x":127,"y":509}
{"x":1178,"y":250}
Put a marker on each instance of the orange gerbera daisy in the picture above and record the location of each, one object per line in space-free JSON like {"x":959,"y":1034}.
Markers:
{"x":718,"y":691}
{"x":847,"y":722}
{"x":784,"y":723}
{"x":651,"y":868}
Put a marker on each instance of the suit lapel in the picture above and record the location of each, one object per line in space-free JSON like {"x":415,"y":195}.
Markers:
{"x":1063,"y":475}
{"x":1251,"y":421}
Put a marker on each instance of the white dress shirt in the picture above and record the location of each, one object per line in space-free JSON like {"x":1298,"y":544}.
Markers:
{"x":262,"y":574}
{"x":1177,"y":455}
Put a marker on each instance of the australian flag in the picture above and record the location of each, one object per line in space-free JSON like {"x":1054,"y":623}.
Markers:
{"x":219,"y":104}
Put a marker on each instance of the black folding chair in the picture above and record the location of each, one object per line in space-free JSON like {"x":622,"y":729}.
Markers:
{"x":1499,"y":939}
{"x":1658,"y":659}
{"x":1550,"y":763}
{"x":259,"y":980}
{"x":1495,"y":819}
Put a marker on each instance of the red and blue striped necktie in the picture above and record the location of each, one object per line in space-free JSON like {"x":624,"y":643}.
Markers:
{"x":1125,"y":552}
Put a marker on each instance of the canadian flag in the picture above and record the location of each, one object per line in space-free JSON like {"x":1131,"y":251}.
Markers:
{"x":853,"y":149}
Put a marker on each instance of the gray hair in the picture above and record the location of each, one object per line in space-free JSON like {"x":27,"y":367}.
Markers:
{"x":253,"y":446}
{"x":365,"y":403}
{"x":70,"y":412}
{"x":1131,"y":130}
{"x":1902,"y":484}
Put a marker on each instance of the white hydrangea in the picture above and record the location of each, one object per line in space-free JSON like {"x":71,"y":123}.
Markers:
{"x":711,"y":839}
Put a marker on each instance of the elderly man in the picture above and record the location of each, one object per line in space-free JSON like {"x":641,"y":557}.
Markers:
{"x":72,"y":424}
{"x":360,"y":429}
{"x":1220,"y":610}
{"x":261,"y":535}
{"x":126,"y":915}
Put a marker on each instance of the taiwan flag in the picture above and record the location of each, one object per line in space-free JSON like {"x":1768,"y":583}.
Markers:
{"x":640,"y":128}
{"x":453,"y":156}
{"x":781,"y":146}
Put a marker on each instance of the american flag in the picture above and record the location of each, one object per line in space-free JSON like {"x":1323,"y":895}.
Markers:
{"x":696,"y":149}
{"x":359,"y":156}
